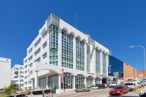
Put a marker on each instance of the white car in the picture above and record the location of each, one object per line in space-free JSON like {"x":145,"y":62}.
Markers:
{"x":112,"y":85}
{"x":130,"y":85}
{"x":41,"y":93}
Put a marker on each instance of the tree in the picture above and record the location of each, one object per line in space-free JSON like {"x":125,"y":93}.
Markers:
{"x":10,"y":89}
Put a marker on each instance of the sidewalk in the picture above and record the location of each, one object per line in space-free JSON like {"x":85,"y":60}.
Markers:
{"x":73,"y":93}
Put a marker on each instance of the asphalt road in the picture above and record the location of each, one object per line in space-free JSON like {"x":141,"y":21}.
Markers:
{"x":101,"y":93}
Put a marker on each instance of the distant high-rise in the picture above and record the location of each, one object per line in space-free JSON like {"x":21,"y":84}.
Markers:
{"x":17,"y":76}
{"x":5,"y":72}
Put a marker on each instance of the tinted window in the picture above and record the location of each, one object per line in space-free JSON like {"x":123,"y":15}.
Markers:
{"x":47,"y":91}
{"x":128,"y":83}
{"x":37,"y":92}
{"x":118,"y":87}
{"x":20,"y":96}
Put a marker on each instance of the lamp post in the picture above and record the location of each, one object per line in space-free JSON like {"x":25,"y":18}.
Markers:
{"x":144,"y":55}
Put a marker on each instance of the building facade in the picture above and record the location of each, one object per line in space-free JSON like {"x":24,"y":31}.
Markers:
{"x":17,"y":76}
{"x":116,"y":65}
{"x":130,"y":73}
{"x":5,"y":72}
{"x":63,"y":58}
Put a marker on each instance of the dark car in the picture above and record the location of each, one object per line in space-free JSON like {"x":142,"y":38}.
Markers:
{"x":119,"y":90}
{"x":101,"y":86}
{"x":142,"y":95}
{"x":17,"y":95}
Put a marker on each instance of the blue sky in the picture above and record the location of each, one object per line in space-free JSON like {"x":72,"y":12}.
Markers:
{"x":114,"y":23}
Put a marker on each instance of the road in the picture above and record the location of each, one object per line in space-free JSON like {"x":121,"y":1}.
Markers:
{"x":101,"y":93}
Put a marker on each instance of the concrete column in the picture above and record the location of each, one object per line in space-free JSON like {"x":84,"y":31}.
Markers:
{"x":74,"y":83}
{"x":60,"y":48}
{"x":107,"y":64}
{"x":93,"y":83}
{"x":36,"y":80}
{"x":101,"y":63}
{"x":85,"y":54}
{"x":85,"y":82}
{"x":47,"y":82}
{"x":59,"y":82}
{"x":74,"y":52}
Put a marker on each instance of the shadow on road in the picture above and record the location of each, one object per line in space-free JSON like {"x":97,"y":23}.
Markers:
{"x":122,"y":96}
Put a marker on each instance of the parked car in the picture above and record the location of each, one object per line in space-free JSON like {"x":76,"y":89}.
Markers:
{"x":112,"y":85}
{"x":82,"y":90}
{"x":101,"y":86}
{"x":17,"y":95}
{"x":41,"y":93}
{"x":119,"y":90}
{"x":130,"y":85}
{"x":94,"y":87}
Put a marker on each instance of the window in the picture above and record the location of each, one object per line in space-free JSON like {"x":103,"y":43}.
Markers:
{"x":44,"y":55}
{"x":38,"y":59}
{"x":80,"y":55}
{"x":36,"y":52}
{"x":53,"y":44}
{"x":97,"y":61}
{"x":44,"y":34}
{"x":30,"y":57}
{"x":36,"y":44}
{"x":30,"y":50}
{"x":45,"y":44}
{"x":67,"y":50}
{"x":68,"y":81}
{"x":104,"y":63}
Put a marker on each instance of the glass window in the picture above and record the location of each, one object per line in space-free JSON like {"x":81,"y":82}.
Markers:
{"x":44,"y":55}
{"x":45,"y":44}
{"x":67,"y":50}
{"x":80,"y":55}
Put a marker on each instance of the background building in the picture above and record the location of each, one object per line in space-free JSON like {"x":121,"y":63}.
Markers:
{"x":63,"y":58}
{"x":130,"y":73}
{"x":5,"y":72}
{"x":17,"y":76}
{"x":116,"y":68}
{"x":141,"y":75}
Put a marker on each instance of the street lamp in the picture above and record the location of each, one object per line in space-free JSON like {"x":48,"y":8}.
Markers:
{"x":144,"y":55}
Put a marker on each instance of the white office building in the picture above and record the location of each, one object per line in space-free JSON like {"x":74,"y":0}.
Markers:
{"x":63,"y":58}
{"x":17,"y":76}
{"x":5,"y":72}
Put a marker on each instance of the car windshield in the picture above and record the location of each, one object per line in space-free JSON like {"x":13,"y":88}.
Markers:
{"x":20,"y":96}
{"x":119,"y":87}
{"x":128,"y":83}
{"x":36,"y":92}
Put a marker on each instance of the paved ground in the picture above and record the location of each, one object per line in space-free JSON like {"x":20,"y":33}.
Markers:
{"x":99,"y":93}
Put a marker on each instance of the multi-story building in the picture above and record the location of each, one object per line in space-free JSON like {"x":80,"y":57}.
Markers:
{"x":130,"y":73}
{"x":5,"y":72}
{"x":17,"y":76}
{"x":63,"y":58}
{"x":141,"y":75}
{"x":116,"y":68}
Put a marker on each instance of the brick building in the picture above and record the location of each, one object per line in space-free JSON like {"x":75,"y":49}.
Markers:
{"x":130,"y":72}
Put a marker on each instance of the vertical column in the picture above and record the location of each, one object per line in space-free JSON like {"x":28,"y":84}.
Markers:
{"x":93,"y":81}
{"x":59,"y":82}
{"x":60,"y":48}
{"x":107,"y":64}
{"x":36,"y":80}
{"x":74,"y":82}
{"x":85,"y":82}
{"x":74,"y":52}
{"x":47,"y":82}
{"x":85,"y":46}
{"x":101,"y":62}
